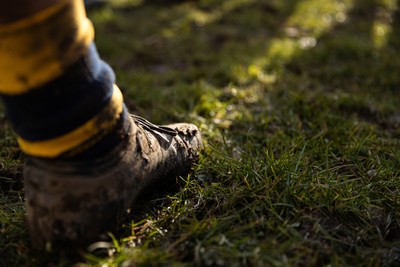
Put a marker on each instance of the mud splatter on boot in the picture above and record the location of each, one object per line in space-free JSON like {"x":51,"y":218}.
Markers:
{"x":74,"y":202}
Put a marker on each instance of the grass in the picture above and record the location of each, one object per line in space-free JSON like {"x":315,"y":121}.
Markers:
{"x":298,"y":101}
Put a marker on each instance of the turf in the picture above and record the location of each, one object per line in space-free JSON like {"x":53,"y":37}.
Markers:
{"x":298,"y":103}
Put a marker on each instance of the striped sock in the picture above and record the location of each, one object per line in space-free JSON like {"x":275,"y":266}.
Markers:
{"x":60,"y":97}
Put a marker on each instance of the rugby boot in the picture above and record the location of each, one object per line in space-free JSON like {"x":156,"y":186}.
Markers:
{"x":74,"y":202}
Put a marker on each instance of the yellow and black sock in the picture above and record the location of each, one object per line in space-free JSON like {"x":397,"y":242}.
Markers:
{"x":60,"y":97}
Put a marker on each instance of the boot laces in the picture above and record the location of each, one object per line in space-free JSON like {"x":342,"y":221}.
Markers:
{"x":155,"y":129}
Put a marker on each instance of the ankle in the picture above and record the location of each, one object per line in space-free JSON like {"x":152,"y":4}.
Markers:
{"x":98,"y":148}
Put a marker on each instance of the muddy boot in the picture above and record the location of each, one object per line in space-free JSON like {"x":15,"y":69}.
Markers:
{"x":72,"y":203}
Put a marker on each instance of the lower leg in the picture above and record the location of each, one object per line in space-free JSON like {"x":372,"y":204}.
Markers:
{"x":87,"y":158}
